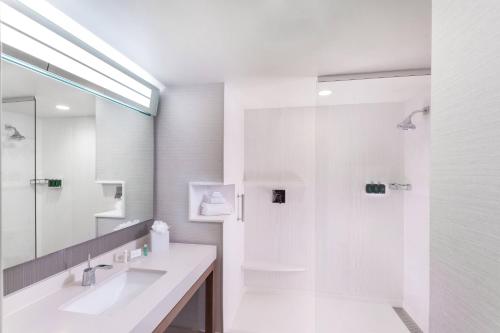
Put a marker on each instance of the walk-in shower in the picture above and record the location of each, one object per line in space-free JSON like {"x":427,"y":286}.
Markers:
{"x":407,"y":124}
{"x":318,"y":262}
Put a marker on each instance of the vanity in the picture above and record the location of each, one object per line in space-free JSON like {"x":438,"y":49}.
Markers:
{"x":144,"y":295}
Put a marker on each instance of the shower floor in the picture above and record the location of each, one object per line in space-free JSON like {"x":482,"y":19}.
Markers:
{"x":294,"y":312}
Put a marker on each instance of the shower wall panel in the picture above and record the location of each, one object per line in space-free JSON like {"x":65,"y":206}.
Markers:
{"x":66,"y":149}
{"x":349,"y":244}
{"x":359,"y":237}
{"x":280,"y":155}
{"x":18,"y":196}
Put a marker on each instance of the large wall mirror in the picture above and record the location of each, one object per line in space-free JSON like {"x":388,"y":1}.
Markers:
{"x":75,"y":166}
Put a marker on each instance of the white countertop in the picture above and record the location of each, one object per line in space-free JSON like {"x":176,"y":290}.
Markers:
{"x":184,"y":264}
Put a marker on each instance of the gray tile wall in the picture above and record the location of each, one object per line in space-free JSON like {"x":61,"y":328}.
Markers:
{"x":125,"y":151}
{"x":189,"y":147}
{"x":23,"y":275}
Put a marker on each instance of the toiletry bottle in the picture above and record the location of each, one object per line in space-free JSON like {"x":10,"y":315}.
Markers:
{"x":125,"y":256}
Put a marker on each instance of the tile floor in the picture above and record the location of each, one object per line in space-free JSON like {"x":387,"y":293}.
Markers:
{"x":292,"y":312}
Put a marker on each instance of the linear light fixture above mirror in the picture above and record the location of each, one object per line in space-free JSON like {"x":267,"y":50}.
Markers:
{"x":37,"y":33}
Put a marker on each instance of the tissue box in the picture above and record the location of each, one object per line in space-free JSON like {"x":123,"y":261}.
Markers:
{"x":160,"y":242}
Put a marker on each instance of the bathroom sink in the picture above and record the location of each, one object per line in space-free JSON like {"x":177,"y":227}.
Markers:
{"x":114,"y":293}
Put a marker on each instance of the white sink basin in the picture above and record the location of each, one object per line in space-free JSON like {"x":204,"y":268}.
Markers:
{"x":115,"y":293}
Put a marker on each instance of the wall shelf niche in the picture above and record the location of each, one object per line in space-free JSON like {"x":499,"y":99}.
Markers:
{"x":197,"y":191}
{"x":110,"y":188}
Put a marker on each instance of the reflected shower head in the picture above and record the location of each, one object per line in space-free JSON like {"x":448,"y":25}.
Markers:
{"x":15,"y":133}
{"x":407,"y":124}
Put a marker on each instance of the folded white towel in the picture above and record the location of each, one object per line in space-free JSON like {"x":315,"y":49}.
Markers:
{"x":214,"y":199}
{"x":208,"y":209}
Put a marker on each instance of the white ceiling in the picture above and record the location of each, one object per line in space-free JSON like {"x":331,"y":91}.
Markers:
{"x":20,"y":82}
{"x":188,"y":41}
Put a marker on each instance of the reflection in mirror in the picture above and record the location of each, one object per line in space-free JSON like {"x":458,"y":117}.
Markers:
{"x":18,"y":168}
{"x":74,"y":167}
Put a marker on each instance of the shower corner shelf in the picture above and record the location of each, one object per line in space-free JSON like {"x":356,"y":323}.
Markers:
{"x":263,"y":266}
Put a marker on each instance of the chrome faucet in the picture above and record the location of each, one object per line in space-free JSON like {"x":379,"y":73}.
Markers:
{"x":88,"y":278}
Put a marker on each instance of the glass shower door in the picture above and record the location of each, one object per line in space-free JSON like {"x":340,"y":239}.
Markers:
{"x":18,"y":137}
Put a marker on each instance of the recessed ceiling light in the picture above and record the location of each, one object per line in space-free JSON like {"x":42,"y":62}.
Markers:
{"x":325,"y":92}
{"x":62,"y":107}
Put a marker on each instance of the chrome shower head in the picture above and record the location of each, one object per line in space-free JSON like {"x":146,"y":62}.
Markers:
{"x":15,"y":133}
{"x":407,"y":124}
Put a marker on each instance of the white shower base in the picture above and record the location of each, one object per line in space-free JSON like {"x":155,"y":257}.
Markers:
{"x":296,"y":312}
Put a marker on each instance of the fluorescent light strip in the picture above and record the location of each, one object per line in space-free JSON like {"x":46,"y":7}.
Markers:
{"x":57,"y":17}
{"x":24,"y":64}
{"x":37,"y":31}
{"x":30,"y":46}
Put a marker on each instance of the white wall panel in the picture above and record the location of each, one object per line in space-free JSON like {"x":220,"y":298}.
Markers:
{"x":359,"y":237}
{"x":465,"y":167}
{"x":18,"y":197}
{"x":351,"y":244}
{"x":280,"y":154}
{"x":416,"y":214}
{"x":66,"y":149}
{"x":233,"y":229}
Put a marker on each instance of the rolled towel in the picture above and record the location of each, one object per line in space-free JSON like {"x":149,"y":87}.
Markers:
{"x":208,"y":209}
{"x":214,"y":199}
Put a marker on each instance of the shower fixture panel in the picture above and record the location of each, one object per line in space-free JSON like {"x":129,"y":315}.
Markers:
{"x":279,"y":196}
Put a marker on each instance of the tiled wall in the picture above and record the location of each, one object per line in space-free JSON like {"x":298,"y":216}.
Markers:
{"x":280,"y":154}
{"x":359,"y":238}
{"x":18,"y":202}
{"x":189,"y":147}
{"x":125,"y":151}
{"x":65,"y":147}
{"x":350,"y":243}
{"x":25,"y":274}
{"x":465,"y":167}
